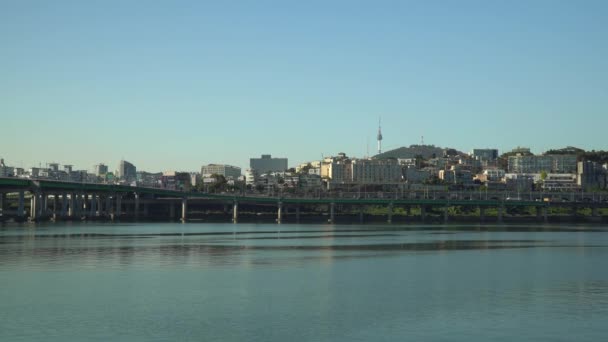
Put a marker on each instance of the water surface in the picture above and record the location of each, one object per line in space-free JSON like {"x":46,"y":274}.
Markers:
{"x":227,"y":282}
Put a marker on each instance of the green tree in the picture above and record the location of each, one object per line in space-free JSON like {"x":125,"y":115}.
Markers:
{"x":219,"y":184}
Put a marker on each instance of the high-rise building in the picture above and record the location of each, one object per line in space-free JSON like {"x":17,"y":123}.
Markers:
{"x":267,"y":164}
{"x":228,"y":171}
{"x":126,"y":171}
{"x":485,"y":154}
{"x":101,"y":169}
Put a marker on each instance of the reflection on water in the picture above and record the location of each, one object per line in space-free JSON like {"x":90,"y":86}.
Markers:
{"x":302,"y":282}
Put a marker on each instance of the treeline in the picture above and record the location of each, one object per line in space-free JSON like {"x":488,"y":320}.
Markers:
{"x":593,"y":155}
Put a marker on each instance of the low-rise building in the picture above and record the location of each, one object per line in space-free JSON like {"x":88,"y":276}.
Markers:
{"x":228,"y":171}
{"x":551,"y":163}
{"x":494,"y":175}
{"x":560,"y":182}
{"x":591,"y":175}
{"x":173,"y":180}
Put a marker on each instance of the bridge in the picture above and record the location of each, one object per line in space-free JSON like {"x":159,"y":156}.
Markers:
{"x":56,"y":200}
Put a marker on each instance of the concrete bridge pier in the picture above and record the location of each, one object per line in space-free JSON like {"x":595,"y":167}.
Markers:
{"x":118,"y":212}
{"x":390,"y":213}
{"x":136,"y":207}
{"x":108,"y":207}
{"x":332,"y":213}
{"x":501,"y":209}
{"x":146,"y":210}
{"x":539,"y":216}
{"x":55,"y":207}
{"x":83,"y":206}
{"x":111,"y":209}
{"x":2,"y":197}
{"x":423,"y":213}
{"x":545,"y":216}
{"x":445,"y":214}
{"x":43,"y":206}
{"x":93,"y":205}
{"x":71,"y":203}
{"x":298,"y":214}
{"x":64,"y":205}
{"x":21,"y":204}
{"x":361,"y":214}
{"x":184,"y":210}
{"x":34,"y":206}
{"x":99,"y":205}
{"x":235,"y":212}
{"x":279,"y":213}
{"x":482,"y":213}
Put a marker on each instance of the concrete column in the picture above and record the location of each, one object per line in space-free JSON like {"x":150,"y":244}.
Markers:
{"x":235,"y":212}
{"x":21,"y":205}
{"x":72,"y":204}
{"x":99,"y":205}
{"x":361,"y":214}
{"x":108,"y":206}
{"x":34,"y":204}
{"x":83,"y":205}
{"x":545,"y":216}
{"x":574,"y":211}
{"x":118,"y":211}
{"x":146,"y":209}
{"x":482,"y":213}
{"x":42,"y":205}
{"x":93,"y":205}
{"x":45,"y":205}
{"x":390,"y":213}
{"x":423,"y":212}
{"x":280,"y":212}
{"x":2,"y":196}
{"x":539,"y":214}
{"x":445,"y":214}
{"x":55,"y":206}
{"x":136,"y":206}
{"x":332,"y":214}
{"x":298,"y":214}
{"x":594,"y":211}
{"x":408,"y":210}
{"x":64,"y":205}
{"x":184,"y":209}
{"x":500,"y":213}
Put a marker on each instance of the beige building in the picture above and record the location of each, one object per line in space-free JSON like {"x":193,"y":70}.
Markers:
{"x":228,"y":171}
{"x":344,"y":170}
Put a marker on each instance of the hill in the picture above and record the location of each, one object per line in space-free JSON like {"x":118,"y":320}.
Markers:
{"x":426,"y":151}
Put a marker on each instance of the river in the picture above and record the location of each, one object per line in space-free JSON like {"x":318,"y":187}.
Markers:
{"x":269,"y":282}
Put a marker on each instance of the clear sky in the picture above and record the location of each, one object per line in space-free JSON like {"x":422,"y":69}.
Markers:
{"x":177,"y":84}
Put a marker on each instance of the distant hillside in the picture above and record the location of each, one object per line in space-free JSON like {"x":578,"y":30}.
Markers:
{"x":426,"y":151}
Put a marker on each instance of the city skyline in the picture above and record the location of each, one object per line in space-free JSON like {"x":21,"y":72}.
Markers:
{"x":184,"y":84}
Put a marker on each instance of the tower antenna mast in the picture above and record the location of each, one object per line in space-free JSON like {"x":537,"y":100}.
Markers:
{"x":379,"y":135}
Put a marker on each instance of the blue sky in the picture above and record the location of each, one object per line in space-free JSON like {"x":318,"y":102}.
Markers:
{"x":177,"y":84}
